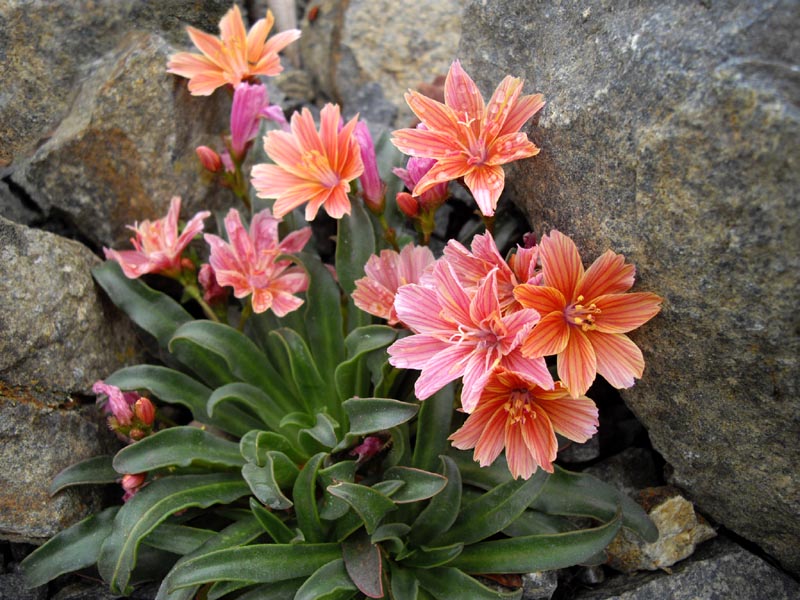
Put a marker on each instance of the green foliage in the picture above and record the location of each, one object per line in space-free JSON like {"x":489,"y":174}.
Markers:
{"x":268,"y":498}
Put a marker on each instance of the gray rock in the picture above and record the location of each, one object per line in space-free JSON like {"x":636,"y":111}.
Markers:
{"x":629,"y":471}
{"x":14,"y":209}
{"x":128,"y":146}
{"x":12,"y":587}
{"x":353,"y":44}
{"x":672,"y":135}
{"x":579,"y":453}
{"x":59,"y":333}
{"x":46,"y":47}
{"x":720,"y":570}
{"x":36,"y":442}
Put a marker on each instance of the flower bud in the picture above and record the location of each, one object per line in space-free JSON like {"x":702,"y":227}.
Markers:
{"x":209,"y":159}
{"x":132,"y":483}
{"x":407,"y":204}
{"x":144,"y":411}
{"x":136,"y":434}
{"x":371,"y":184}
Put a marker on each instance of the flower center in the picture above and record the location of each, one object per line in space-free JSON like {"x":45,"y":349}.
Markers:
{"x":318,"y":168}
{"x":581,"y":316}
{"x":519,"y":408}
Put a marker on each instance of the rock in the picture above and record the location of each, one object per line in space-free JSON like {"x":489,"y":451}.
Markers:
{"x":59,"y":333}
{"x":99,"y":591}
{"x":540,"y":585}
{"x":719,"y":570}
{"x":398,"y":45}
{"x":128,"y":146}
{"x":671,"y":135}
{"x":580,"y":453}
{"x":37,"y":441}
{"x":14,"y":209}
{"x":629,"y":471}
{"x":680,"y":530}
{"x":48,"y":46}
{"x":12,"y":586}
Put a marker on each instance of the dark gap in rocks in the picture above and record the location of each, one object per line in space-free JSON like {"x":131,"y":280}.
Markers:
{"x":21,"y":194}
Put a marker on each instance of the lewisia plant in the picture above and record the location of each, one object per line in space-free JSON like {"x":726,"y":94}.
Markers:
{"x":381,"y":422}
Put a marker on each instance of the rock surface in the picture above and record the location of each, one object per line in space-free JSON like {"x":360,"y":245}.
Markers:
{"x":59,"y":333}
{"x":720,"y":570}
{"x":48,"y":47}
{"x":399,"y":45}
{"x":672,"y":135}
{"x":127,"y":146}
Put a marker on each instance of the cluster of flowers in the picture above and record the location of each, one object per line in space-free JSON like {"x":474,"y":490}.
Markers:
{"x":472,"y":314}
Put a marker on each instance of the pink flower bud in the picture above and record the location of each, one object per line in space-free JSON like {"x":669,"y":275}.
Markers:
{"x":248,"y":102}
{"x":212,"y":291}
{"x":144,"y":411}
{"x":368,"y":448}
{"x":209,"y":159}
{"x":407,"y":204}
{"x":117,"y":402}
{"x":373,"y":188}
{"x":132,"y":483}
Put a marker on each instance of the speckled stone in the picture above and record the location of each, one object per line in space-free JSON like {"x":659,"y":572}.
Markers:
{"x":128,"y":146}
{"x":398,"y":45}
{"x":672,"y":135}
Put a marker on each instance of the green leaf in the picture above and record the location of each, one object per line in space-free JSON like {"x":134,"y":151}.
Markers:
{"x":536,"y":552}
{"x":329,"y":582}
{"x":447,"y":583}
{"x":74,"y":548}
{"x":280,"y":590}
{"x":580,"y":494}
{"x":533,"y":522}
{"x":181,"y":447}
{"x":391,"y":536}
{"x":149,"y":507}
{"x":238,"y":355}
{"x":419,"y":484}
{"x":483,"y":477}
{"x":428,"y":558}
{"x":323,"y":318}
{"x":368,"y":503}
{"x":254,"y":446}
{"x":362,"y":560}
{"x":440,"y":514}
{"x":494,"y":510}
{"x":332,"y":507}
{"x":241,"y":532}
{"x":314,"y":392}
{"x":404,"y":585}
{"x":260,"y":563}
{"x":433,"y":427}
{"x":320,"y":437}
{"x":266,"y":482}
{"x":93,"y":470}
{"x":355,"y":243}
{"x":222,"y":588}
{"x":305,"y":500}
{"x":251,"y":398}
{"x":369,"y":415}
{"x":353,"y":375}
{"x":276,"y":528}
{"x":174,"y":387}
{"x":156,"y":313}
{"x":178,"y":539}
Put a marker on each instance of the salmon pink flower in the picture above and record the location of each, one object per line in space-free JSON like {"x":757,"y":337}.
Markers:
{"x":118,"y":403}
{"x":585,"y":315}
{"x":250,"y":263}
{"x":238,"y":56}
{"x":468,"y":138}
{"x":310,"y":166}
{"x":457,"y":334}
{"x":158,"y":245}
{"x":516,"y":414}
{"x":471,"y":266}
{"x":386,"y":273}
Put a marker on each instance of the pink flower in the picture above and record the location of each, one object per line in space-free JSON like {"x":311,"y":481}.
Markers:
{"x":585,"y":315}
{"x":118,"y":403}
{"x":248,"y":102}
{"x":458,"y":334}
{"x":416,"y":169}
{"x":516,"y":414}
{"x":212,"y":291}
{"x":310,"y":166}
{"x":250,"y":262}
{"x":472,"y":266}
{"x":372,"y":187}
{"x":158,"y":245}
{"x":238,"y":56}
{"x":386,"y":273}
{"x":468,"y":138}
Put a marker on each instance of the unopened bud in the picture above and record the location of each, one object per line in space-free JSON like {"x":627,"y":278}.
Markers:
{"x":407,"y":204}
{"x":144,"y":411}
{"x":137,"y":434}
{"x":209,"y":159}
{"x":131,"y":483}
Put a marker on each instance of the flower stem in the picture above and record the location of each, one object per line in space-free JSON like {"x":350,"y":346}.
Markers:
{"x":194,"y":293}
{"x":389,"y":233}
{"x":246,"y":312}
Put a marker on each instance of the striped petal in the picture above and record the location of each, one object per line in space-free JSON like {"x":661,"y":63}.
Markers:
{"x":534,"y":369}
{"x":492,"y":440}
{"x":420,"y":309}
{"x":577,"y":363}
{"x":574,"y":418}
{"x":524,"y":109}
{"x":461,"y":94}
{"x":486,"y":183}
{"x":440,"y":370}
{"x":257,"y":36}
{"x":619,"y":360}
{"x":425,"y":143}
{"x":621,"y":313}
{"x":435,"y":115}
{"x":542,"y":298}
{"x":607,"y":275}
{"x":550,"y":336}
{"x":415,"y":351}
{"x":540,"y":442}
{"x":561,"y":263}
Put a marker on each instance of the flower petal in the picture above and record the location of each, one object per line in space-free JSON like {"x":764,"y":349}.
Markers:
{"x":577,"y":363}
{"x":425,"y":143}
{"x":574,"y":418}
{"x":524,"y":109}
{"x":540,"y":441}
{"x":461,"y":94}
{"x":561,"y":263}
{"x":550,"y":336}
{"x":435,"y":115}
{"x":607,"y":275}
{"x":534,"y":369}
{"x":621,"y":313}
{"x":542,"y":298}
{"x":619,"y":360}
{"x":486,"y":183}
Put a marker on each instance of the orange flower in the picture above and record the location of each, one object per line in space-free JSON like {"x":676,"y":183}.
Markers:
{"x":310,"y":166}
{"x":238,"y":56}
{"x":516,"y":414}
{"x":585,"y":315}
{"x":468,"y":138}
